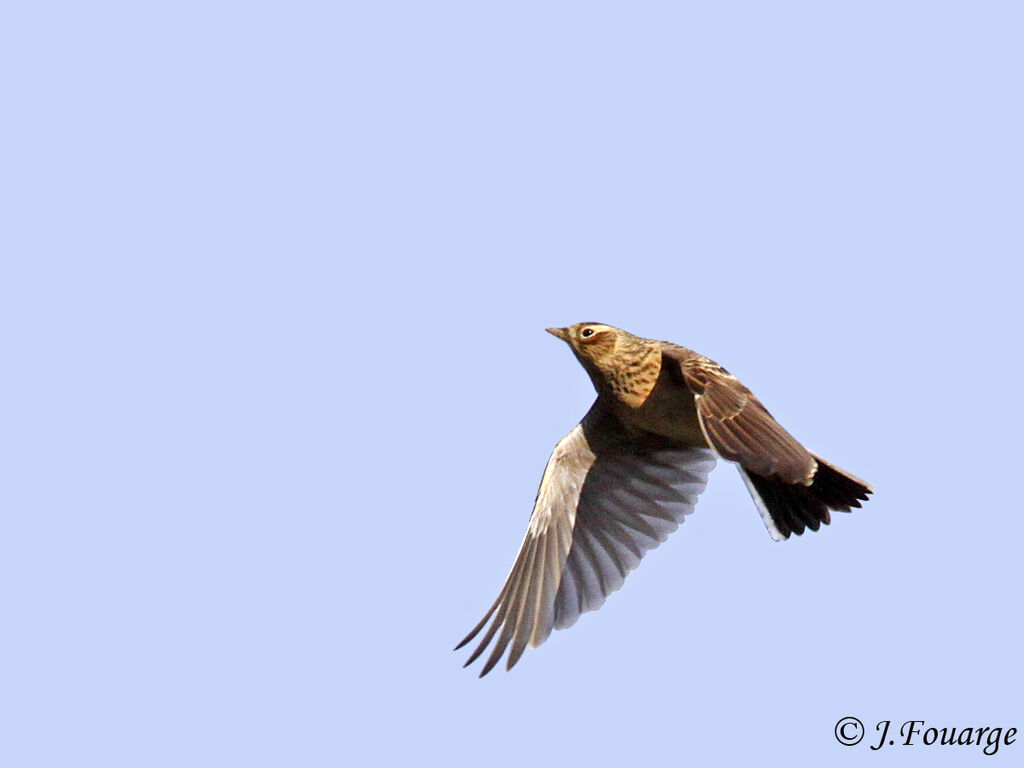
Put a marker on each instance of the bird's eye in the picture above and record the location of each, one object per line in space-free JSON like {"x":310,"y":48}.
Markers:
{"x":586,"y":333}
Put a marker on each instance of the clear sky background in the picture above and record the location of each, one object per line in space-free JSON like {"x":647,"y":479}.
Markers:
{"x":278,"y":395}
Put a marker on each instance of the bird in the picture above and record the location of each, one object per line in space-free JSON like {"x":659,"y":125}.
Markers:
{"x":627,"y":475}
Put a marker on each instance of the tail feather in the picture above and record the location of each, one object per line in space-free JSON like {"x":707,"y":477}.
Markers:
{"x":791,"y":508}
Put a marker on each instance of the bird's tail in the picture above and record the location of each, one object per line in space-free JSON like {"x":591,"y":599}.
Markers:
{"x":788,"y":508}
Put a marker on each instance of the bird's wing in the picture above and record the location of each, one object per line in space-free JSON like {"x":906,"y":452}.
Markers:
{"x":737,"y":425}
{"x":605,"y":499}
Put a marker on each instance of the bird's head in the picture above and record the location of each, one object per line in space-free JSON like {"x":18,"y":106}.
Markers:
{"x":592,"y":342}
{"x":602,"y":349}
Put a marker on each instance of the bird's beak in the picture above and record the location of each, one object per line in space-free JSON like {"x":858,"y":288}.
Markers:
{"x":562,"y":333}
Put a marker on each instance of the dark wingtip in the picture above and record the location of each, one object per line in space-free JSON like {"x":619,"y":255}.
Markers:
{"x":796,"y":508}
{"x":475,"y":655}
{"x":514,"y":657}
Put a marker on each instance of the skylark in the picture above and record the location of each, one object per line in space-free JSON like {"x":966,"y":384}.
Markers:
{"x":625,"y":477}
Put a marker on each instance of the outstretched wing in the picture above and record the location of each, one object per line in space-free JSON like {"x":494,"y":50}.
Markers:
{"x":737,"y":425}
{"x":606,"y":498}
{"x":792,"y":488}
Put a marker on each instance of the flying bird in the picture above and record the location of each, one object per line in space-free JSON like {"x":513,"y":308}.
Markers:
{"x":625,"y":477}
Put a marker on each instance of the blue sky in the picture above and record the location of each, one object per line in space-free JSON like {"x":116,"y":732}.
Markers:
{"x":278,"y":395}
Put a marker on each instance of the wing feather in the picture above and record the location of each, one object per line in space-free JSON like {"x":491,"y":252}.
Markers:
{"x":737,"y":425}
{"x":607,"y":497}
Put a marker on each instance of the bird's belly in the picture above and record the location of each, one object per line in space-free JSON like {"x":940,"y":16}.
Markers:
{"x":671,"y":414}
